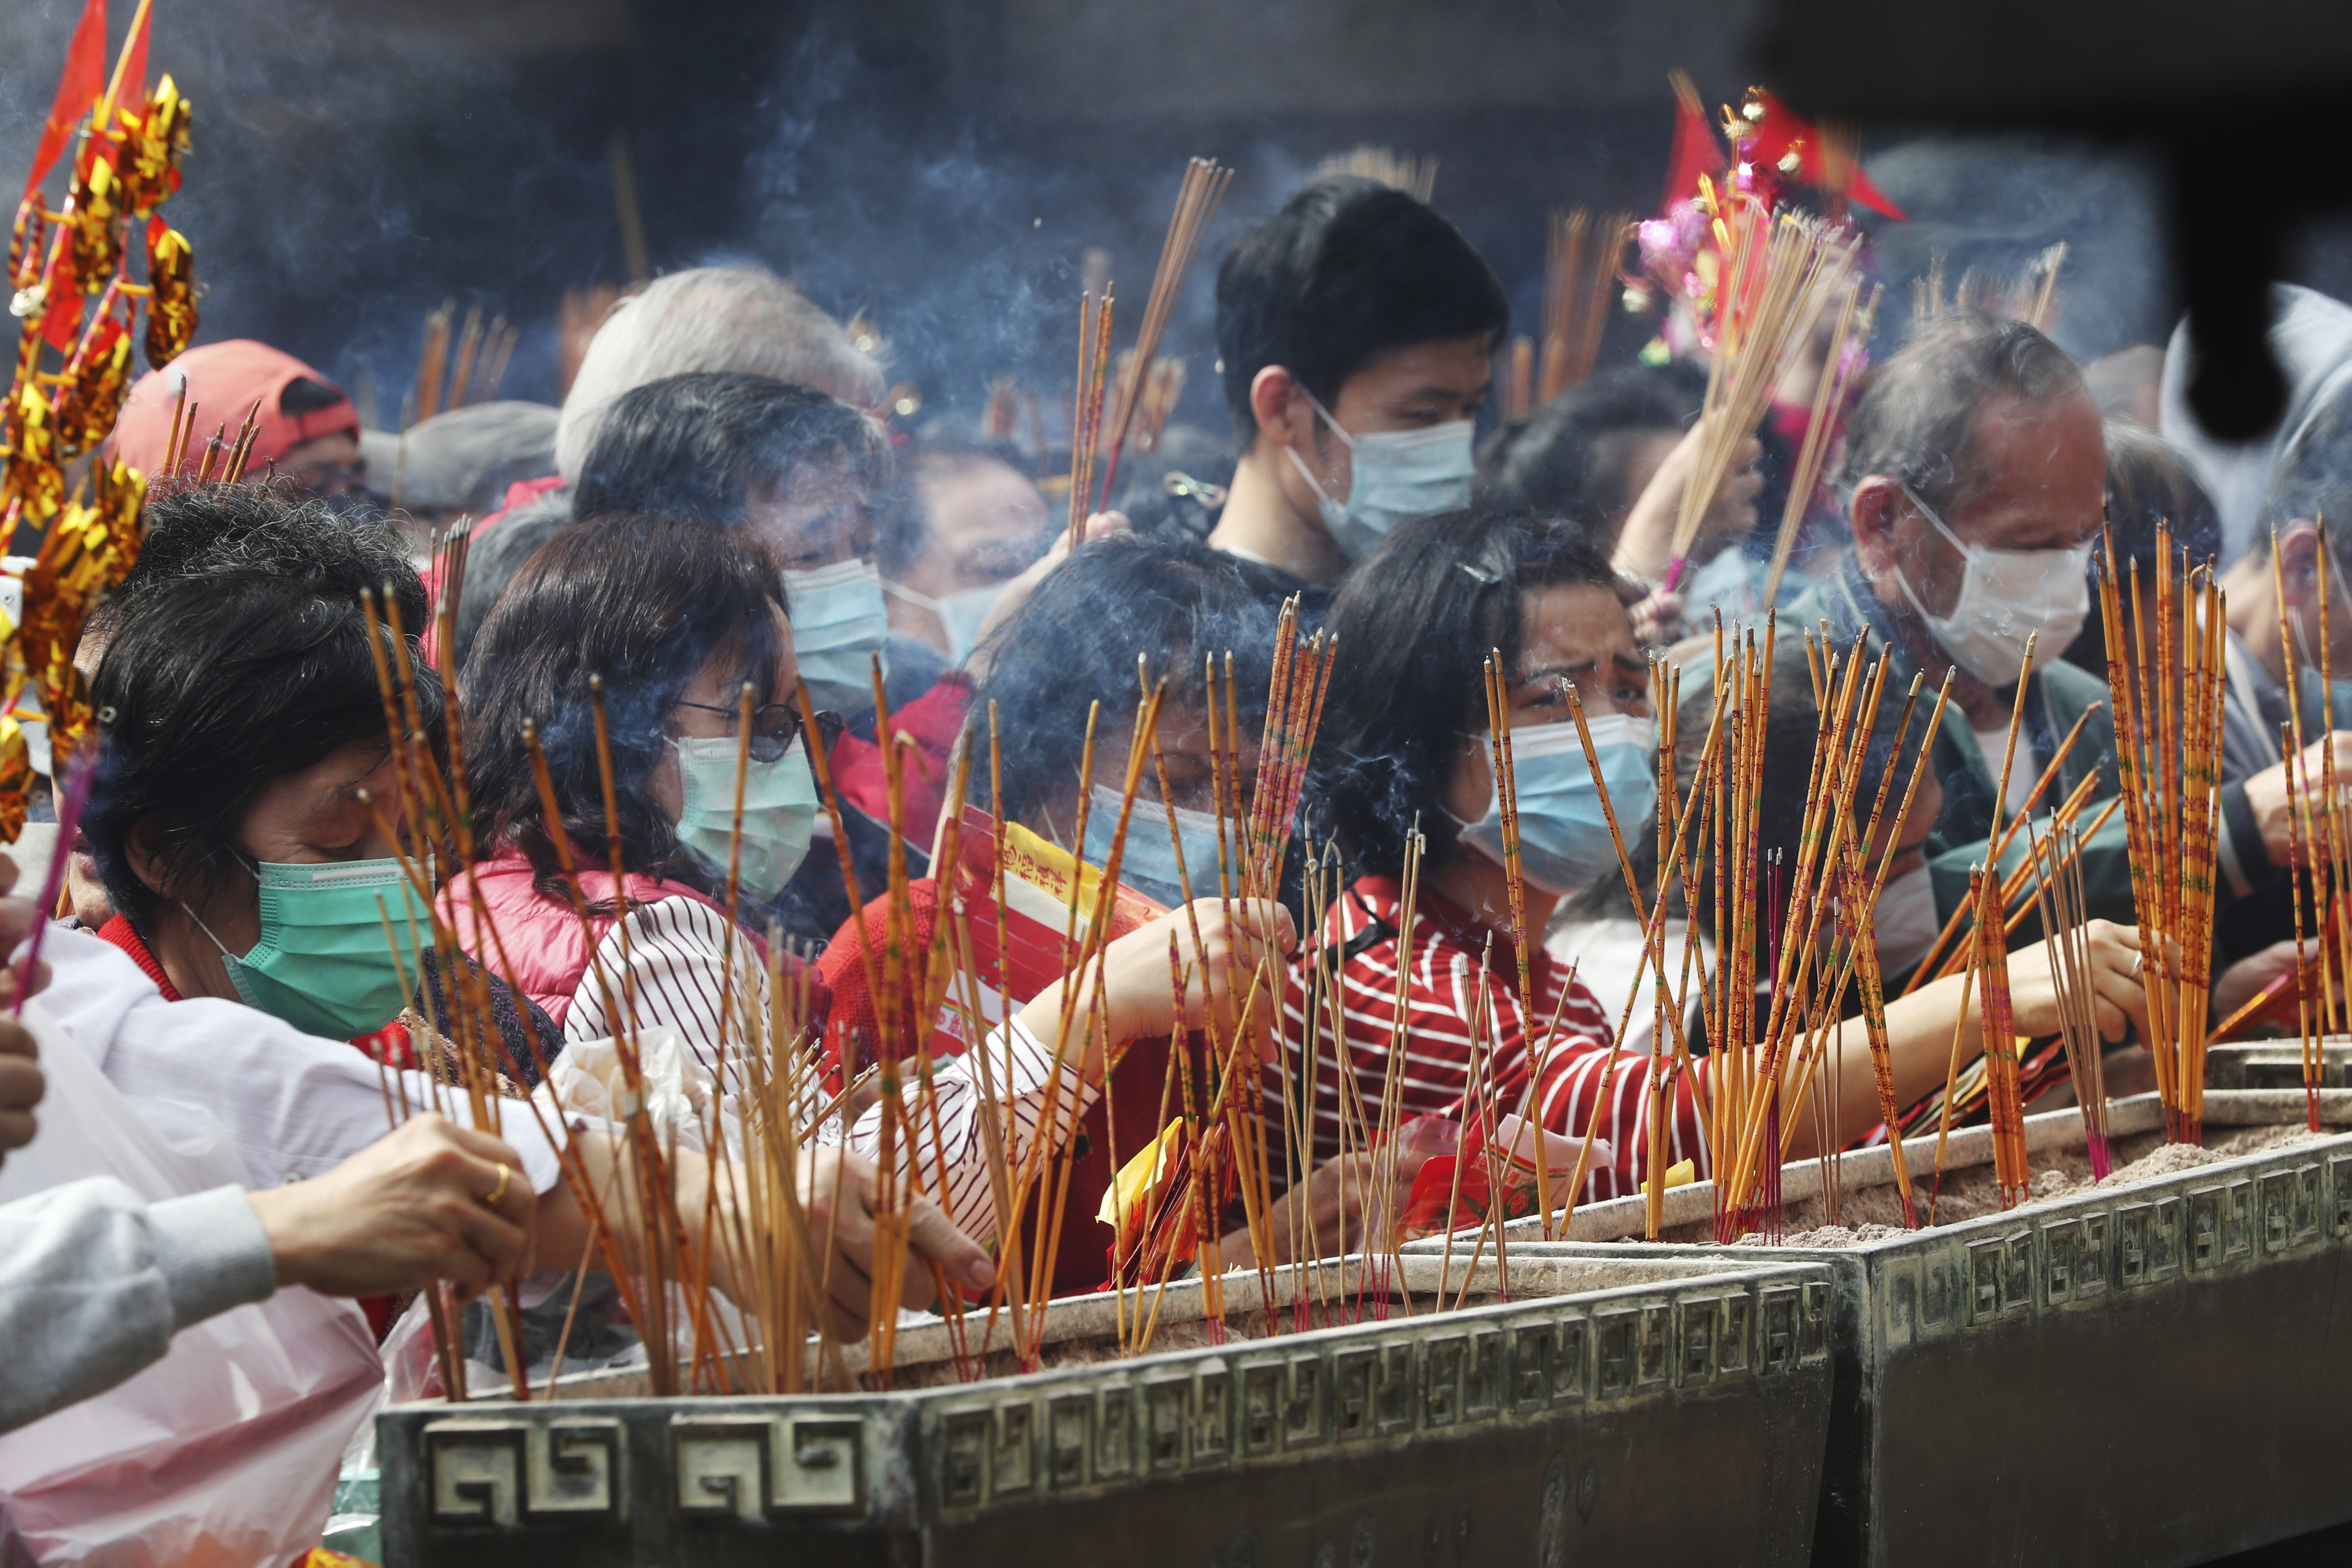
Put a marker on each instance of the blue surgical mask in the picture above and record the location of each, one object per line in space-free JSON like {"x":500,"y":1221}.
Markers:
{"x":1395,"y":475}
{"x":960,"y":613}
{"x":779,"y":806}
{"x":839,"y":622}
{"x":1147,"y":861}
{"x":1564,"y":840}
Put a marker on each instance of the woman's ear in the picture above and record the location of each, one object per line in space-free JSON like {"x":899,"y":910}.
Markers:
{"x":143,"y":850}
{"x":2298,"y":551}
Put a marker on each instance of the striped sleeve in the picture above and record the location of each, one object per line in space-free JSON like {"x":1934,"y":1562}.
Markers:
{"x":949,"y":1162}
{"x":672,"y":959}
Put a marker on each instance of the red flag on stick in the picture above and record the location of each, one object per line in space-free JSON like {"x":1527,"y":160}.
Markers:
{"x":82,"y":85}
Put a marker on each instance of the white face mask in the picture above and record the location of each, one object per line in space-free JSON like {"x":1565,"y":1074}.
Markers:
{"x":2006,"y":597}
{"x":1904,"y":920}
{"x":960,"y":613}
{"x":1395,"y":475}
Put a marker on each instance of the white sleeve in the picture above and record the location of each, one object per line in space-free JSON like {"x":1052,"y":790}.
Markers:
{"x":676,"y":973}
{"x":296,"y":1106}
{"x":955,"y":1160}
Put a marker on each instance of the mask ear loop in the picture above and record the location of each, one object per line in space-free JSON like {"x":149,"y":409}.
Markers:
{"x":1300,"y":463}
{"x":216,"y":942}
{"x":1903,"y":578}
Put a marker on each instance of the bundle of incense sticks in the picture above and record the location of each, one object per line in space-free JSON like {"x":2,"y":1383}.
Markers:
{"x":577,"y":316}
{"x":1842,"y":361}
{"x":2030,"y":296}
{"x":2058,"y":891}
{"x":2319,"y":829}
{"x":1197,"y":200}
{"x":1086,"y":405}
{"x":1516,"y":374}
{"x":1990,"y":969}
{"x":2169,"y":696}
{"x":1782,"y":274}
{"x":1768,"y":1073}
{"x":1416,"y":176}
{"x":1162,"y":389}
{"x":1580,"y":266}
{"x":477,"y":368}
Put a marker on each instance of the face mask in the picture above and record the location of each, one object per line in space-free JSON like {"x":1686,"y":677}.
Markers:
{"x":2006,"y":596}
{"x":323,"y":964}
{"x":1564,"y":841}
{"x":839,"y":622}
{"x":1146,"y":862}
{"x":1397,"y":476}
{"x":960,"y":613}
{"x":779,"y":806}
{"x":1905,"y":920}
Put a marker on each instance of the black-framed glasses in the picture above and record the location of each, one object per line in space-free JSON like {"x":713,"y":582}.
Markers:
{"x":775,"y":726}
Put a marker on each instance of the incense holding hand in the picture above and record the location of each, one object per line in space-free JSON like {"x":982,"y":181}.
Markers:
{"x":2118,"y":996}
{"x":1140,"y":972}
{"x":2272,"y":793}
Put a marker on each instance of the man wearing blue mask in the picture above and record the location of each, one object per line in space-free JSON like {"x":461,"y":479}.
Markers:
{"x":1356,"y":333}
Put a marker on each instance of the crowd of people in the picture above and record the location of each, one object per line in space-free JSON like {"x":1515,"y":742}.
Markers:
{"x":716,"y":510}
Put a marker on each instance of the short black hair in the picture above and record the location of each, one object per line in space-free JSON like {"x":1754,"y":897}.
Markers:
{"x":1571,"y":458}
{"x":644,"y":603}
{"x":269,"y":529}
{"x":2312,"y":481}
{"x":1414,"y":623}
{"x":1347,"y":270}
{"x":701,"y":447}
{"x":230,"y":670}
{"x":1075,"y":644}
{"x":901,"y":527}
{"x":1917,"y":419}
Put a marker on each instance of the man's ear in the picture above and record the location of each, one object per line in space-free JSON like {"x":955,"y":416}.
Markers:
{"x":1279,"y":403}
{"x":143,"y":850}
{"x":2298,"y":553}
{"x":1875,"y":506}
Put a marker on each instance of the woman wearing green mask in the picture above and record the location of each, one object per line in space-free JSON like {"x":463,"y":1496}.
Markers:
{"x":673,"y":619}
{"x":243,"y":727}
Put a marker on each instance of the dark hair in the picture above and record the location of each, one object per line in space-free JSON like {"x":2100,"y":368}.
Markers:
{"x":236,"y":668}
{"x":1572,"y":457}
{"x":272,"y":528}
{"x":1349,"y":269}
{"x":699,"y":448}
{"x":1917,"y":416}
{"x":902,"y":527}
{"x":2148,"y":483}
{"x":1791,"y":729}
{"x":645,"y":604}
{"x":1414,"y":624}
{"x":1075,"y":644}
{"x":2312,"y":481}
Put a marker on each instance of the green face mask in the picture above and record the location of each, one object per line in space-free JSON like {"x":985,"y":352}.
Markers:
{"x":780,"y":806}
{"x":322,"y":963}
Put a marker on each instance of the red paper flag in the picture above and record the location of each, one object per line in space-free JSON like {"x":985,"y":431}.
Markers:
{"x":129,"y":84}
{"x":1696,"y":150}
{"x":1781,"y":129}
{"x":81,"y":86}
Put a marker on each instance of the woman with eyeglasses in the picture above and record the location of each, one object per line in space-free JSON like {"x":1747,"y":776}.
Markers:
{"x":670,"y":620}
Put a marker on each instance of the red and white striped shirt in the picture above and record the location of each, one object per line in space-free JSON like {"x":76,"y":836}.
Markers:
{"x":1441,"y":997}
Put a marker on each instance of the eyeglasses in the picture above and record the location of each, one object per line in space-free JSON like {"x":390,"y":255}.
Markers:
{"x":776,"y":726}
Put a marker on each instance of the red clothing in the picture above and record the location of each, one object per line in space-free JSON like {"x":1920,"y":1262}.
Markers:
{"x":541,"y":940}
{"x":932,"y":722}
{"x":1442,"y":995}
{"x":1112,"y":1131}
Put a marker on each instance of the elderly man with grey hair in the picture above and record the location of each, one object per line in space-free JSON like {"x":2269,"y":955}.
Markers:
{"x":744,"y":319}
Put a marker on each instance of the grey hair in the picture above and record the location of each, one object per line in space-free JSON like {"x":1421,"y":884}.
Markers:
{"x":1917,"y":417}
{"x":741,"y":319}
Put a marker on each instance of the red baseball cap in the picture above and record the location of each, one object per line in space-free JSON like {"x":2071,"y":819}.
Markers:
{"x":224,"y":380}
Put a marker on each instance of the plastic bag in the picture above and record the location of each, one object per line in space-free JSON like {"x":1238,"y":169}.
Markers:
{"x":586,"y":1081}
{"x":221,"y":1455}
